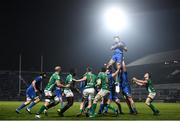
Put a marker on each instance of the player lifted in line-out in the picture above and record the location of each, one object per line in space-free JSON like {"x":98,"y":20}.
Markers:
{"x":147,"y":82}
{"x":103,"y":93}
{"x":32,"y":93}
{"x":126,"y":89}
{"x":89,"y":90}
{"x":113,"y":94}
{"x":68,"y":92}
{"x":54,"y":81}
{"x":118,"y":48}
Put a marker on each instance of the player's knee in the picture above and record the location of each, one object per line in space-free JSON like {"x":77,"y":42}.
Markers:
{"x":117,"y":101}
{"x":147,"y":102}
{"x":27,"y":102}
{"x":37,"y":100}
{"x":56,"y":99}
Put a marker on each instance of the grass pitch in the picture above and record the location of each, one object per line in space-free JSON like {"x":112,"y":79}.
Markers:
{"x":167,"y":111}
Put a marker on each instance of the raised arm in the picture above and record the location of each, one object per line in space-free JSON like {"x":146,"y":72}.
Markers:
{"x":80,"y":80}
{"x":115,"y":73}
{"x":140,"y":84}
{"x":140,"y":81}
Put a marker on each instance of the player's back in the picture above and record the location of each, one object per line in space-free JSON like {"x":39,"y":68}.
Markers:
{"x":37,"y":80}
{"x":104,"y":80}
{"x":52,"y":81}
{"x":90,"y":80}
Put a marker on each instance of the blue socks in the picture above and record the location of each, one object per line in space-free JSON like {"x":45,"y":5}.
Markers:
{"x":21,"y":107}
{"x":31,"y":105}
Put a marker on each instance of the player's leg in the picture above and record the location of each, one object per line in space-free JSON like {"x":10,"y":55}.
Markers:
{"x":70,"y":101}
{"x":117,"y":101}
{"x":101,"y":108}
{"x":82,"y":105}
{"x":96,"y":99}
{"x":48,"y":100}
{"x":149,"y":103}
{"x":90,"y":93}
{"x":33,"y":103}
{"x":109,"y":106}
{"x":28,"y":100}
{"x":23,"y":105}
{"x":111,"y":61}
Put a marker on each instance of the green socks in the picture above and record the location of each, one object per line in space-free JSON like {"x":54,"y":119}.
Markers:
{"x":153,"y":108}
{"x":110,"y":107}
{"x":42,"y":109}
{"x":94,"y":108}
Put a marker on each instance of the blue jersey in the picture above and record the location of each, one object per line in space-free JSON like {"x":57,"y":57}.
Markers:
{"x":118,"y":47}
{"x":111,"y":81}
{"x":38,"y":80}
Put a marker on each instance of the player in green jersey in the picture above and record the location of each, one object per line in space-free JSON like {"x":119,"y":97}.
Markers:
{"x":49,"y":95}
{"x":89,"y":90}
{"x":68,"y":92}
{"x":147,"y":82}
{"x":104,"y":91}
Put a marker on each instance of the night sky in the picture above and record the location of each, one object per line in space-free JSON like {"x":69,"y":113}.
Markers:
{"x":71,"y":33}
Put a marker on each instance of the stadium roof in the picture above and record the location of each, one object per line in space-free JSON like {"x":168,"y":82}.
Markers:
{"x":156,"y":58}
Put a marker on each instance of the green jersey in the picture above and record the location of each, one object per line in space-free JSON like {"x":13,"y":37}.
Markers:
{"x":149,"y":86}
{"x":52,"y":81}
{"x":90,"y":80}
{"x":69,"y":80}
{"x":104,"y":80}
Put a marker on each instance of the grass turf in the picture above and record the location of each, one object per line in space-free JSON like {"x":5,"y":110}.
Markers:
{"x":167,"y":111}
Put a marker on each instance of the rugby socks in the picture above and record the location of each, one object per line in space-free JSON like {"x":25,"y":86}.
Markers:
{"x":153,"y":108}
{"x":42,"y":109}
{"x":119,"y":107}
{"x":101,"y":108}
{"x":105,"y":108}
{"x":21,"y":107}
{"x":31,"y":105}
{"x":134,"y":108}
{"x":62,"y":105}
{"x":70,"y":101}
{"x":111,"y":108}
{"x":81,"y":110}
{"x":94,"y":108}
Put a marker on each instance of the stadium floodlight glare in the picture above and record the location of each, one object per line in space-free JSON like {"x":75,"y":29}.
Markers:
{"x":115,"y":19}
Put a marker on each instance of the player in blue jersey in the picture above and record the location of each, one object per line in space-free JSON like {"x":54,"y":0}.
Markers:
{"x":126,"y":89}
{"x":32,"y":94}
{"x":118,"y":48}
{"x":113,"y":96}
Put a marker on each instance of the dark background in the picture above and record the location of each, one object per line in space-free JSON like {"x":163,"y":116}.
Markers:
{"x":70,"y":33}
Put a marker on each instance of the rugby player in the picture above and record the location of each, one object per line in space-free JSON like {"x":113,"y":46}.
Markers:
{"x":89,"y":91}
{"x":32,"y":94}
{"x":147,"y":82}
{"x":49,"y":94}
{"x":103,"y":93}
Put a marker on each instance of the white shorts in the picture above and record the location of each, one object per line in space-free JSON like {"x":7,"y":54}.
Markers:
{"x":48,"y":93}
{"x":68,"y":93}
{"x":89,"y":93}
{"x":152,"y":95}
{"x":103,"y":92}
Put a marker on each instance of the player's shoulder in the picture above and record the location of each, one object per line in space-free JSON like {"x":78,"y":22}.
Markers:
{"x":38,"y":78}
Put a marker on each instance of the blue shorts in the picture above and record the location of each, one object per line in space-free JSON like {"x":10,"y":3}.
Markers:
{"x":58,"y":92}
{"x":113,"y":95}
{"x":126,"y":90}
{"x":118,"y":57}
{"x":30,"y":94}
